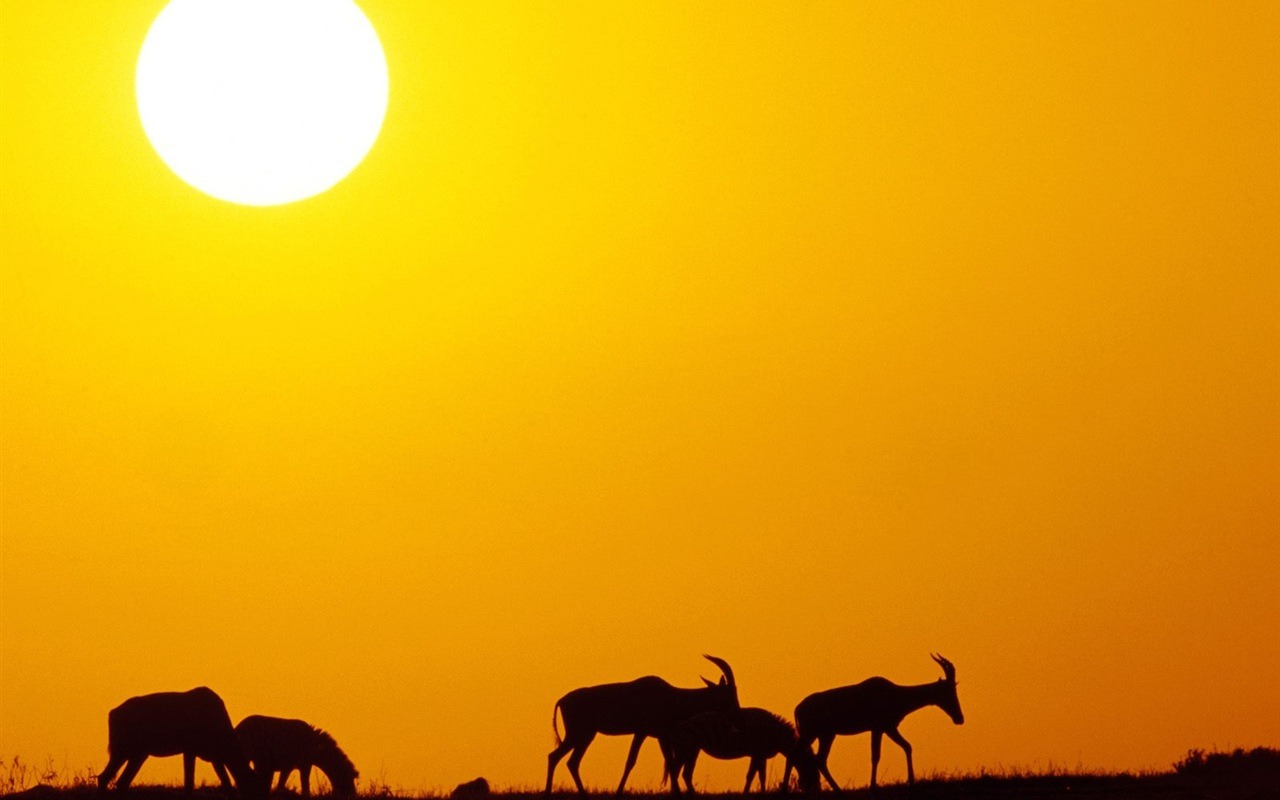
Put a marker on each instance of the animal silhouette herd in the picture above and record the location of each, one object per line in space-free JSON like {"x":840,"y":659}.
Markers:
{"x":686,"y":723}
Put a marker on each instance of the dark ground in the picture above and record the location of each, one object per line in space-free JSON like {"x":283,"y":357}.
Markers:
{"x":1241,"y":775}
{"x":1092,"y":787}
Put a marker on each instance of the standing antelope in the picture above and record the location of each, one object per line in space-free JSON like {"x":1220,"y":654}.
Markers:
{"x":193,"y":723}
{"x":643,"y":707}
{"x":283,"y":745}
{"x":876,"y":705}
{"x":741,"y":733}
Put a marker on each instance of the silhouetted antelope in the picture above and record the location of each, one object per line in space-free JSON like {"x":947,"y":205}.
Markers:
{"x":876,"y":705}
{"x":282,"y":745}
{"x":643,"y":707}
{"x":741,"y":733}
{"x":193,"y":723}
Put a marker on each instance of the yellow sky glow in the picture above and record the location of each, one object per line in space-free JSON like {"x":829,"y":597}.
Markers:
{"x":814,"y":336}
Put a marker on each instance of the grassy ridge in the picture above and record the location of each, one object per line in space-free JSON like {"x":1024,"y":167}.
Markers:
{"x":1239,"y":775}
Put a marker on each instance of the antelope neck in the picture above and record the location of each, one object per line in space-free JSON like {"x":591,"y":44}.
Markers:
{"x":921,"y":695}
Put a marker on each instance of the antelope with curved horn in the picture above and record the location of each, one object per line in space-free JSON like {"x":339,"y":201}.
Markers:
{"x":876,"y":705}
{"x":644,"y":707}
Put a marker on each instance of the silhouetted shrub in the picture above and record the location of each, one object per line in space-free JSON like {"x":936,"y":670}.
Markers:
{"x":1258,"y":764}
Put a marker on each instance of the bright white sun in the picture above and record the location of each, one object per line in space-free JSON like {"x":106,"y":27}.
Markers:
{"x":262,"y":102}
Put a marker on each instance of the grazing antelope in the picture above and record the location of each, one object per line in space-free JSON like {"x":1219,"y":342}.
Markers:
{"x":643,"y":707}
{"x":876,"y":705}
{"x":282,"y":745}
{"x":193,"y":723}
{"x":742,"y":733}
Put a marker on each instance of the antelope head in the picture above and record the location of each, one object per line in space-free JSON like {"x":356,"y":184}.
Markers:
{"x":806,"y":766}
{"x":947,"y":699}
{"x":726,"y":690}
{"x":344,"y":785}
{"x":256,"y":786}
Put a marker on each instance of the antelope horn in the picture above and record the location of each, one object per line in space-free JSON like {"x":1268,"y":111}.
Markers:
{"x":724,"y":667}
{"x":948,"y":668}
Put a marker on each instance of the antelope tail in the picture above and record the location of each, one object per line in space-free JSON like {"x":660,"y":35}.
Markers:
{"x":554,"y":729}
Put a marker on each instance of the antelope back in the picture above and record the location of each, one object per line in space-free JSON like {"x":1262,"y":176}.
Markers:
{"x":168,"y":723}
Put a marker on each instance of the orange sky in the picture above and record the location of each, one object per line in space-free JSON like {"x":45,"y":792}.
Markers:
{"x":817,"y":337}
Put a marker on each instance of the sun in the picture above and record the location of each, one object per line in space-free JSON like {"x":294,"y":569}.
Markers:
{"x":262,"y":102}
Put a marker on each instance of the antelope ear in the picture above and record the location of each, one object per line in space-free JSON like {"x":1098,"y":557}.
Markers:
{"x":724,"y":681}
{"x":707,"y":682}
